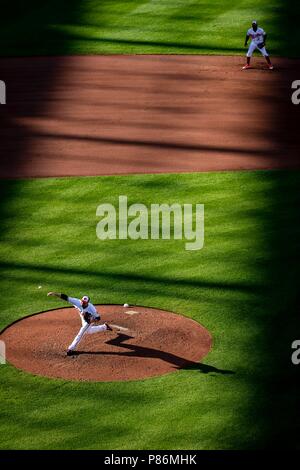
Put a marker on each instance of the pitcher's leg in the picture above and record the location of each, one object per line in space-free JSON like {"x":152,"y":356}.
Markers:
{"x":83,"y":330}
{"x":97,"y":329}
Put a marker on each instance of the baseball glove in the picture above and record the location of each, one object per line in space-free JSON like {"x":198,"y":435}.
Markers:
{"x":87,"y":317}
{"x":261,"y":45}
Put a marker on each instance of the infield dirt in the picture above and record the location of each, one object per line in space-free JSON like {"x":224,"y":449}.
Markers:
{"x":103,"y":115}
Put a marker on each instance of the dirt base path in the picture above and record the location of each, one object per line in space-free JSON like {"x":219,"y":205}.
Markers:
{"x":145,"y":342}
{"x":102,"y":115}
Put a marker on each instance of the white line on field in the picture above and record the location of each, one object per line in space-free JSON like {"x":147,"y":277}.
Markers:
{"x":131,"y":312}
{"x":121,"y":328}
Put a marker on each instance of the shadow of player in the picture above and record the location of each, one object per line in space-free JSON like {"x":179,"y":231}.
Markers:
{"x":141,"y":351}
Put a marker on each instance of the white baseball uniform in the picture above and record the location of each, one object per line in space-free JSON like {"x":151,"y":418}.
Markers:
{"x":86,"y":328}
{"x":257,"y":37}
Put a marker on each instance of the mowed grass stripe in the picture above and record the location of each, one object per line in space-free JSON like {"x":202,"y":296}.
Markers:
{"x":154,"y":27}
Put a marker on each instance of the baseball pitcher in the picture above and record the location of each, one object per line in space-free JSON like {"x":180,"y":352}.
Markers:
{"x":88,"y":315}
{"x":258,"y":41}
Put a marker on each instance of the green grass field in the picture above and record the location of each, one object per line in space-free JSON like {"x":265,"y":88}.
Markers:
{"x":241,"y":286}
{"x":139,"y":27}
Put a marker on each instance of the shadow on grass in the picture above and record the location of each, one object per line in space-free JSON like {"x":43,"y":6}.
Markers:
{"x":45,"y":28}
{"x":164,"y":281}
{"x":184,"y":47}
{"x":276,"y":394}
{"x":208,"y":369}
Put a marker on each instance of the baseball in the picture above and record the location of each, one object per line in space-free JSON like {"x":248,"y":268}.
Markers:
{"x":126,"y":305}
{"x":39,"y":287}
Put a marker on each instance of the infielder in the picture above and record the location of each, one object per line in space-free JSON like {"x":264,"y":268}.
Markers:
{"x":88,"y":315}
{"x":258,"y":41}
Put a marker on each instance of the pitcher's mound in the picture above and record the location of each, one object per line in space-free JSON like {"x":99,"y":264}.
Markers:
{"x":149,"y":343}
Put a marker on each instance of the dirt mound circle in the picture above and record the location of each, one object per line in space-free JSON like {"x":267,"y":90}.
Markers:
{"x":145,"y":342}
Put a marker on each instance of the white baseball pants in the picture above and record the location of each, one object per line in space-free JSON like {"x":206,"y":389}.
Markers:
{"x":86,"y":329}
{"x":254,"y":46}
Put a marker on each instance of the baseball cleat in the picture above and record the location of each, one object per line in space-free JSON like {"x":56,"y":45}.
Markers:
{"x":271,"y":67}
{"x":246,"y":67}
{"x":108,"y":327}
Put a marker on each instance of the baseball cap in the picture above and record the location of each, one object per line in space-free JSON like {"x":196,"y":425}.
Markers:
{"x":85,"y":298}
{"x":254,"y":22}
